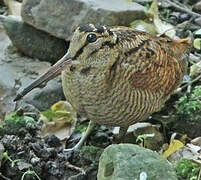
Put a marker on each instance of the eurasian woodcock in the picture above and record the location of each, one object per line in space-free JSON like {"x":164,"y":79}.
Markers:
{"x":117,"y":76}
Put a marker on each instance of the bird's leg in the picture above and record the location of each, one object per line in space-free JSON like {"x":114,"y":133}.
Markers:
{"x":122,"y":133}
{"x":83,"y":138}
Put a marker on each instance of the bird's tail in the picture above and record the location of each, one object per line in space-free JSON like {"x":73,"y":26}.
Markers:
{"x":184,"y":44}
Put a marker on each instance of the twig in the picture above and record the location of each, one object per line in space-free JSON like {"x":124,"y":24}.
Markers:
{"x":189,"y":88}
{"x":2,"y":176}
{"x":189,"y":83}
{"x":178,"y":3}
{"x":183,"y":9}
{"x":75,"y":168}
{"x":199,"y":175}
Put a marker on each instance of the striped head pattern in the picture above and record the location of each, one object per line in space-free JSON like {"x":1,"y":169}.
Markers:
{"x":89,"y":41}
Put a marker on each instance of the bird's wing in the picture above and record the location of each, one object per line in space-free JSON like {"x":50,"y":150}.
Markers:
{"x":153,"y":63}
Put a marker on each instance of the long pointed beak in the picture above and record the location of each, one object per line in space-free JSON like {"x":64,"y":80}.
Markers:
{"x":54,"y":71}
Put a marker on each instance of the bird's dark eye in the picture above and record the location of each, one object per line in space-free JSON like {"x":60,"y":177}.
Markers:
{"x":91,"y":38}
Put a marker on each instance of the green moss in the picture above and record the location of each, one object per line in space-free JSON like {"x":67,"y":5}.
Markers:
{"x":91,"y":153}
{"x":189,"y":107}
{"x":90,"y":149}
{"x":81,"y":128}
{"x":15,"y":121}
{"x":50,"y":114}
{"x":187,"y":170}
{"x":18,"y":119}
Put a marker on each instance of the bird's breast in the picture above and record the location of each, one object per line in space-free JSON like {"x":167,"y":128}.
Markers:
{"x":81,"y":86}
{"x":111,"y":103}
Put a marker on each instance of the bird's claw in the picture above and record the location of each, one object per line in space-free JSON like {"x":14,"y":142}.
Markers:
{"x":70,"y":150}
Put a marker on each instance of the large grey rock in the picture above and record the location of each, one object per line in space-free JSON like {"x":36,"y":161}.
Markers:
{"x":16,"y":72}
{"x":32,"y":42}
{"x":61,"y":17}
{"x":131,"y":162}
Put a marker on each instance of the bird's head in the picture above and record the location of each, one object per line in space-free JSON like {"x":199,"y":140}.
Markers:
{"x":90,"y":45}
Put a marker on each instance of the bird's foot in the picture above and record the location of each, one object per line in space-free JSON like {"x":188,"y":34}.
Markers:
{"x":74,"y":149}
{"x":71,"y":150}
{"x":83,"y":138}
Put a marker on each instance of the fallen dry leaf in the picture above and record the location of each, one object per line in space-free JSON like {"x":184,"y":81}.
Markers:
{"x":153,"y":24}
{"x":59,"y":120}
{"x":173,"y":147}
{"x":161,"y":27}
{"x":186,"y":152}
{"x":14,"y":7}
{"x":190,"y":151}
{"x":196,"y":141}
{"x":195,"y":69}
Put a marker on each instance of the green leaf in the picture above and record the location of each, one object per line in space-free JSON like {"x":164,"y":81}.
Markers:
{"x":197,"y":43}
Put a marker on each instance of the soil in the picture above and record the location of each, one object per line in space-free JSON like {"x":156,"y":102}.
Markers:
{"x":46,"y":156}
{"x":31,"y":156}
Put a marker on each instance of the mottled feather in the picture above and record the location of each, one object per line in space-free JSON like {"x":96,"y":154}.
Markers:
{"x":123,"y":76}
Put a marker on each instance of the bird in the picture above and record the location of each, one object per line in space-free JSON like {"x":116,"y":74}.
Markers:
{"x":117,"y":76}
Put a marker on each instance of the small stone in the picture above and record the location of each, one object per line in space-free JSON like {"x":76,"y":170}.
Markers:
{"x":62,"y":157}
{"x":184,"y":17}
{"x":52,"y":140}
{"x":52,"y":168}
{"x":36,"y":147}
{"x":27,"y":138}
{"x":198,"y":21}
{"x":52,"y":151}
{"x":128,"y":161}
{"x":23,"y":165}
{"x":45,"y":154}
{"x":35,"y":160}
{"x":10,"y":142}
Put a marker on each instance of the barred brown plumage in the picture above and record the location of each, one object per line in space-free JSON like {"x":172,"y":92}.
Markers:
{"x":118,"y":76}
